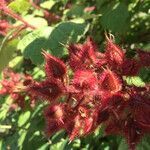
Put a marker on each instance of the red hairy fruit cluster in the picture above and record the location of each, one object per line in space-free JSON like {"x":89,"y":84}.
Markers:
{"x":14,"y":84}
{"x":95,"y":92}
{"x":88,"y":90}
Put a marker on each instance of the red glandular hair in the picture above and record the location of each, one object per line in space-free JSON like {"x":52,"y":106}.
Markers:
{"x":95,"y":93}
{"x":82,"y":56}
{"x":114,"y":54}
{"x":54,"y":67}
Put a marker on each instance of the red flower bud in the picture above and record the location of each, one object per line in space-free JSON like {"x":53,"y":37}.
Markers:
{"x":109,"y":81}
{"x":82,"y":56}
{"x":54,"y":67}
{"x":85,"y":79}
{"x":55,"y":112}
{"x":114,"y":54}
{"x":4,"y":25}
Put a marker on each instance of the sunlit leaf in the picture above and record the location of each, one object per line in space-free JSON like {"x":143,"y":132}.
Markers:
{"x":7,"y":50}
{"x":20,"y":6}
{"x":116,"y":18}
{"x":23,"y":118}
{"x":51,"y":39}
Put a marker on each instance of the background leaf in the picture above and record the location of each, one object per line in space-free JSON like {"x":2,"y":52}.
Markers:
{"x":144,"y":144}
{"x":116,"y":18}
{"x":50,"y":39}
{"x":135,"y":80}
{"x":48,"y":4}
{"x":6,"y":52}
{"x":19,"y":6}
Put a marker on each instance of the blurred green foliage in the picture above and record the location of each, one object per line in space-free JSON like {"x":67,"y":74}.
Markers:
{"x":127,"y":20}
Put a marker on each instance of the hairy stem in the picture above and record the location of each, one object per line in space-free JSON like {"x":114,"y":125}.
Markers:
{"x":16,"y":16}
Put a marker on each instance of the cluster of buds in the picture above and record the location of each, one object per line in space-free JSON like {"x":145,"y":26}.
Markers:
{"x":14,"y":84}
{"x":88,"y":90}
{"x":4,"y":26}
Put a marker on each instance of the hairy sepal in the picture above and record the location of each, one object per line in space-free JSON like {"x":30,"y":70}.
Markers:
{"x":54,"y":67}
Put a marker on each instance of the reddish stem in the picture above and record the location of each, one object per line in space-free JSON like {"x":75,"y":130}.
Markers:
{"x":17,"y":32}
{"x":34,"y":5}
{"x":48,"y":15}
{"x":15,"y":16}
{"x":77,"y":106}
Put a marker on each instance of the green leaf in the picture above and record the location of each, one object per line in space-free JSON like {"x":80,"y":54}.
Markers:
{"x":16,"y":62}
{"x":75,"y":11}
{"x":136,"y":80}
{"x":6,"y":52}
{"x":33,"y":43}
{"x":147,"y":47}
{"x":123,"y":145}
{"x":144,"y":144}
{"x":50,"y":39}
{"x":33,"y":138}
{"x":57,"y":136}
{"x":64,"y":1}
{"x":44,"y":146}
{"x":1,"y":144}
{"x":5,"y":107}
{"x":37,"y":22}
{"x":145,"y":74}
{"x":76,"y":143}
{"x":48,"y":4}
{"x":60,"y":145}
{"x":22,"y":137}
{"x":11,"y":141}
{"x":116,"y":18}
{"x":37,"y":110}
{"x":23,"y":118}
{"x":38,"y":73}
{"x":19,"y":6}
